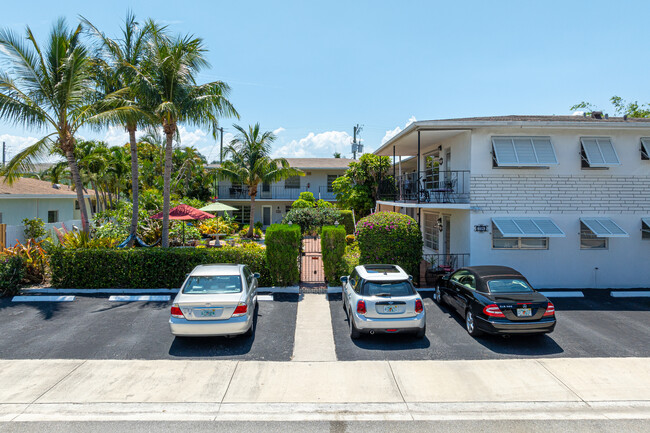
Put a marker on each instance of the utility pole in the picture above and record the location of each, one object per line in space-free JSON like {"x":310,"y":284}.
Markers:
{"x":356,"y":147}
{"x":221,"y":147}
{"x":4,"y":153}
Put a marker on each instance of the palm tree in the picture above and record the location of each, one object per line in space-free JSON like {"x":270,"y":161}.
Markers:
{"x":250,"y":163}
{"x":117,"y":68}
{"x":48,"y":89}
{"x":168,"y":83}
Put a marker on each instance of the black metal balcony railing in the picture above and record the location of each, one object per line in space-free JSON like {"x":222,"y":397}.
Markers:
{"x":438,"y":265}
{"x":275,"y":192}
{"x":430,"y":186}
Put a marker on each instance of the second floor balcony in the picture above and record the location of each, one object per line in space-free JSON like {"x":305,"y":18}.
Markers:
{"x":430,"y":186}
{"x":275,"y":192}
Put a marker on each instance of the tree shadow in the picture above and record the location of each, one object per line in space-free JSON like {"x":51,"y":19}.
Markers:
{"x":47,"y":310}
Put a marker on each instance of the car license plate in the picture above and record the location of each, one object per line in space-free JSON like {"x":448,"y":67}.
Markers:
{"x":524,"y":312}
{"x":390,"y":309}
{"x":208,"y":312}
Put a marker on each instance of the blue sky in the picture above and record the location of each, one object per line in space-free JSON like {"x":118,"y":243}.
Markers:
{"x":312,"y":70}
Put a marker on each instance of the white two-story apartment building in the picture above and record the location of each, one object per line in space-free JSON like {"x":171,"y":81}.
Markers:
{"x":563,"y":199}
{"x":273,"y":201}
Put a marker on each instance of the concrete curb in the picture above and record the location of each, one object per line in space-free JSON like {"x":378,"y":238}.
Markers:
{"x":55,"y":291}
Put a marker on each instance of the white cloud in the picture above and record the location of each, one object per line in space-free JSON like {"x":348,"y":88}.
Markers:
{"x":117,"y":136}
{"x":393,"y":132}
{"x":313,"y":145}
{"x":278,"y":131}
{"x":16,"y":143}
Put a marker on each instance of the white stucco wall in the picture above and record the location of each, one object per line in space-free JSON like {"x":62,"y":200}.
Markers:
{"x":15,"y":210}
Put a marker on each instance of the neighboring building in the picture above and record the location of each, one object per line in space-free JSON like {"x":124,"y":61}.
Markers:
{"x":273,"y":201}
{"x":33,"y":198}
{"x":563,"y":199}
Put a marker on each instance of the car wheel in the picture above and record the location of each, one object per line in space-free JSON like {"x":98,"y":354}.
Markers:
{"x":354,"y":332}
{"x":422,"y":332}
{"x":437,"y":295}
{"x":470,"y":324}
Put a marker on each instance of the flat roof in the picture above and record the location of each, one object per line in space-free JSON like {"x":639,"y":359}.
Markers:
{"x":313,"y":163}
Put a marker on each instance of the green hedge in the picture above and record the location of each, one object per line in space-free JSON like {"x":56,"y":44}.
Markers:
{"x":333,"y":247}
{"x":390,"y":237}
{"x":347,"y":220}
{"x":312,"y":219}
{"x":282,"y":250}
{"x":12,"y":272}
{"x":145,"y":268}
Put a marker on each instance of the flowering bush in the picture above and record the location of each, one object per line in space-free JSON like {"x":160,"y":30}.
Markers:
{"x":390,"y":237}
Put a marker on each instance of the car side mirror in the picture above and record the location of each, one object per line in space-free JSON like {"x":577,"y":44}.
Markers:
{"x":256,"y":275}
{"x":410,"y":277}
{"x":344,"y":280}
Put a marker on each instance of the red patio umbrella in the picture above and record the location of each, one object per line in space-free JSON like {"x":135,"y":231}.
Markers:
{"x":185,"y":213}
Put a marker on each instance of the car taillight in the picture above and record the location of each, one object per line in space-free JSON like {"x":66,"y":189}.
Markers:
{"x":493,"y":310}
{"x":418,"y":306}
{"x":176,"y":312}
{"x":240,"y":310}
{"x":361,"y":307}
{"x":550,"y":310}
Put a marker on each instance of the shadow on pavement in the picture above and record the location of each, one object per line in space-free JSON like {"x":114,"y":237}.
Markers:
{"x":47,"y":310}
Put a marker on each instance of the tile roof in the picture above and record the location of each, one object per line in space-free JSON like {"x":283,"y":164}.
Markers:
{"x":29,"y":186}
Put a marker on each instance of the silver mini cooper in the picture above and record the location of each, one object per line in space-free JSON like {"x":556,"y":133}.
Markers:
{"x":215,"y":300}
{"x":382,"y":299}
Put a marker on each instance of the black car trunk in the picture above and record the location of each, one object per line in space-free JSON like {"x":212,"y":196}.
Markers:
{"x":520,"y":307}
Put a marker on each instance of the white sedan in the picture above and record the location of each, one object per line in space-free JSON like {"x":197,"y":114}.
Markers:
{"x":215,"y":300}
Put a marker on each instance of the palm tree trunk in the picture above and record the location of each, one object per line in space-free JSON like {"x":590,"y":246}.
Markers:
{"x":169,"y":133}
{"x":110,"y":199}
{"x":104,"y":196}
{"x":76,"y":178}
{"x":251,"y":226}
{"x":134,"y":185}
{"x":97,"y":202}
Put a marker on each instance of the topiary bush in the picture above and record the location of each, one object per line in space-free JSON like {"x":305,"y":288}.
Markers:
{"x":390,"y":237}
{"x":282,"y":251}
{"x":311,"y":219}
{"x":333,"y":247}
{"x":347,"y":219}
{"x":146,"y":268}
{"x":12,"y":272}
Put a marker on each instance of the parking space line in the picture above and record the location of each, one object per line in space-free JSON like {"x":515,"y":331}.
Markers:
{"x":629,"y":294}
{"x":149,"y":298}
{"x":264,"y":297}
{"x":565,"y":294}
{"x":43,"y":299}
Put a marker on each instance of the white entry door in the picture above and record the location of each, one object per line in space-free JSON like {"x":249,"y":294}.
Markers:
{"x":266,"y":215}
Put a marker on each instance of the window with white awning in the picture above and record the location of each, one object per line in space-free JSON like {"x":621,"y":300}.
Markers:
{"x":527,"y":227}
{"x":645,"y":228}
{"x":604,"y":228}
{"x":598,"y":152}
{"x":645,"y":148}
{"x":523,"y":152}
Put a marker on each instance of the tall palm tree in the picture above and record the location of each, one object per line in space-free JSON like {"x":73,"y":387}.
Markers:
{"x":251,"y":164}
{"x":50,"y":89}
{"x":117,"y":68}
{"x":169,"y":85}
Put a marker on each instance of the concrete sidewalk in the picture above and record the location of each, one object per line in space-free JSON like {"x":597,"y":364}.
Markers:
{"x":586,"y":388}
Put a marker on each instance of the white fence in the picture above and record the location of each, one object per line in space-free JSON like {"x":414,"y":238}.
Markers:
{"x":17,"y":233}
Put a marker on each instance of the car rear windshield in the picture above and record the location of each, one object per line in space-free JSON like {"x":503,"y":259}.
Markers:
{"x":213,"y":284}
{"x":509,"y":285}
{"x":387,"y":289}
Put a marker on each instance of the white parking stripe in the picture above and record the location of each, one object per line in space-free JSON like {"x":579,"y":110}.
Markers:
{"x":125,"y":298}
{"x":630,"y":294}
{"x":264,"y":297}
{"x":42,"y":299}
{"x":553,"y":294}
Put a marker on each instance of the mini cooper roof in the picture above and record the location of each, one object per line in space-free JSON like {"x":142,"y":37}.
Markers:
{"x":381,"y":272}
{"x":216,"y":269}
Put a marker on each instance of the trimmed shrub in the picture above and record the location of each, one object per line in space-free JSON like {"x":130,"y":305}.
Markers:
{"x":390,"y":237}
{"x":146,"y":268}
{"x":282,"y":251}
{"x":347,"y":220}
{"x":12,"y":272}
{"x":311,"y":219}
{"x":333,"y":247}
{"x":350,"y":239}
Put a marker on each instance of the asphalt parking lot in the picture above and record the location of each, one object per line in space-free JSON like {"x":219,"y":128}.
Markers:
{"x":96,"y":328}
{"x":594,"y":326}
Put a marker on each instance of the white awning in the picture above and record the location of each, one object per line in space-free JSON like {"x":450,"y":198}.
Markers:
{"x":599,"y":151}
{"x":646,"y":221}
{"x":528,"y":228}
{"x":604,"y":228}
{"x":645,"y":145}
{"x":523,"y":151}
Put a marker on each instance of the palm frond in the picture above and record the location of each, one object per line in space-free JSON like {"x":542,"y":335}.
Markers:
{"x":25,"y":159}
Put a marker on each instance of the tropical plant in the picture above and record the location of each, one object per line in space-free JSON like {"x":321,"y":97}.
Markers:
{"x":245,"y":232}
{"x":311,"y":220}
{"x":359,"y":187}
{"x":250,"y":163}
{"x":167,"y":84}
{"x":12,"y":271}
{"x":34,"y":228}
{"x":33,"y":258}
{"x":117,"y":69}
{"x":48,"y":88}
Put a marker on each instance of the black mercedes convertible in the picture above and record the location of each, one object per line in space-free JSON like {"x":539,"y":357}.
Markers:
{"x":496,"y":300}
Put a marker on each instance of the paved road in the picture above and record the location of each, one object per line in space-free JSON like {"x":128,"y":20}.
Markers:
{"x":594,"y":326}
{"x":95,"y":328}
{"x":542,"y":426}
